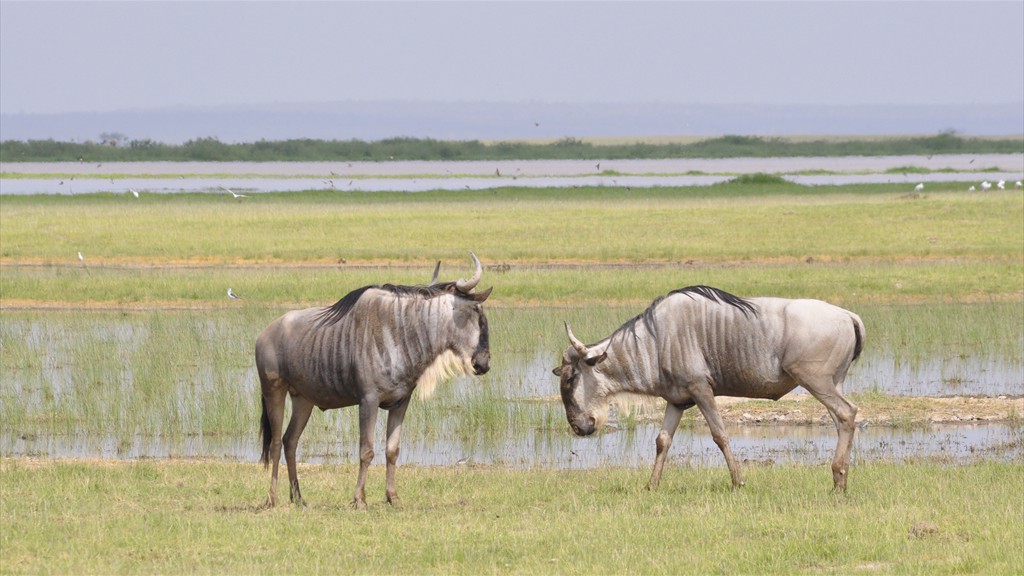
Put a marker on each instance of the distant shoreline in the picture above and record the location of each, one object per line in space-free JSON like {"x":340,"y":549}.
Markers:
{"x":967,"y":163}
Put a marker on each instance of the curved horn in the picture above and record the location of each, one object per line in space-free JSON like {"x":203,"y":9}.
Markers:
{"x":433,"y":279}
{"x":580,"y":347}
{"x":466,"y":286}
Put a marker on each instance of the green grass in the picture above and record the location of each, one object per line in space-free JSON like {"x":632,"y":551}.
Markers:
{"x":756,"y":219}
{"x":842,"y":283}
{"x":871,"y":240}
{"x":200,"y":517}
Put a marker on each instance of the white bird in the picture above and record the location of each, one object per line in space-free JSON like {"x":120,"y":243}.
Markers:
{"x":134,"y":192}
{"x":1018,"y":184}
{"x":1001,"y":185}
{"x":82,"y":260}
{"x":233,"y":194}
{"x":232,"y":295}
{"x":971,"y":189}
{"x":986,"y":185}
{"x":919,"y":187}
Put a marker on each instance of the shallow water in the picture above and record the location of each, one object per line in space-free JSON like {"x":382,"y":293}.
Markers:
{"x":559,"y":449}
{"x":1013,"y":163}
{"x":260,"y":185}
{"x":416,"y":176}
{"x":526,"y":432}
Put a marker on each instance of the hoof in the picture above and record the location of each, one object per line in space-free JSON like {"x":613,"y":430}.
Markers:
{"x":357,"y":505}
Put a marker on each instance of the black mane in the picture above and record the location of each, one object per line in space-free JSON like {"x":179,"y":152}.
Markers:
{"x":334,"y":313}
{"x":720,"y":296}
{"x":714,"y":294}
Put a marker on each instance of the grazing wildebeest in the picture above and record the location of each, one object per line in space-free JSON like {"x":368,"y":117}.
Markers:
{"x":700,"y":342}
{"x":372,"y":349}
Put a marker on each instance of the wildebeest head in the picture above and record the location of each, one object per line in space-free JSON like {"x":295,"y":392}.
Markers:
{"x":586,"y":407}
{"x":473,"y":340}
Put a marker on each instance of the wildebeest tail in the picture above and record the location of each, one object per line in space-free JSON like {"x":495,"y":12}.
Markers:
{"x":265,"y":431}
{"x":858,"y":333}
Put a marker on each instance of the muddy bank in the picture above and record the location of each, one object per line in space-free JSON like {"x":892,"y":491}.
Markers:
{"x":874,"y":410}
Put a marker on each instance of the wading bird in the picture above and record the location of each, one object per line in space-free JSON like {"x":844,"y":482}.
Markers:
{"x":232,"y":295}
{"x":233,"y":193}
{"x":134,"y":192}
{"x":919,"y":187}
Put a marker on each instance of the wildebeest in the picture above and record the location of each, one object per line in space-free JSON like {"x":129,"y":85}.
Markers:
{"x":372,"y":349}
{"x":700,"y":342}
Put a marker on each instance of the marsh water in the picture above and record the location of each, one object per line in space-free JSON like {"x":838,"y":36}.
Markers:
{"x":417,"y":176}
{"x":158,"y":384}
{"x":183,"y":384}
{"x":797,"y":444}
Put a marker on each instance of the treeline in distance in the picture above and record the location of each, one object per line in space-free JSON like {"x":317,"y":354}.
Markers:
{"x":213,"y":150}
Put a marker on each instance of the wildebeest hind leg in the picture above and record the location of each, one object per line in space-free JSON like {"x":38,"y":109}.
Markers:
{"x":367,"y":423}
{"x":709,"y":408}
{"x":395,"y":417}
{"x":844,"y":414}
{"x":301,"y":409}
{"x":273,"y":422}
{"x":668,"y":429}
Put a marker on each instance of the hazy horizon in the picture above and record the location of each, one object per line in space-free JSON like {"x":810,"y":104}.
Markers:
{"x":170,"y":70}
{"x":509,"y":121}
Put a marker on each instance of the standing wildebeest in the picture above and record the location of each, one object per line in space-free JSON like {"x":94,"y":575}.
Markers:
{"x":700,"y":342}
{"x":372,"y":348}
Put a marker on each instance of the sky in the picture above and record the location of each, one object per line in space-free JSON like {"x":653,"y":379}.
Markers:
{"x":58,"y":57}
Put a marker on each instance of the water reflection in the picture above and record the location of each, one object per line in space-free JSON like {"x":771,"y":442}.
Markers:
{"x":558,"y":449}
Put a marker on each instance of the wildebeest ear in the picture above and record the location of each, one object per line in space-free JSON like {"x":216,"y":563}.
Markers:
{"x":479,"y":296}
{"x":557,"y":371}
{"x":596,"y":359}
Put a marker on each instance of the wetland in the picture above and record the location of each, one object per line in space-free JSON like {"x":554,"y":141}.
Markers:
{"x":129,"y":399}
{"x":136,"y":352}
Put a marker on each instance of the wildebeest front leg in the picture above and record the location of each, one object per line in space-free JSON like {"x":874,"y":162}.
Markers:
{"x":301,"y":409}
{"x":395,"y":417}
{"x":709,"y":408}
{"x":668,"y":429}
{"x":367,"y":424}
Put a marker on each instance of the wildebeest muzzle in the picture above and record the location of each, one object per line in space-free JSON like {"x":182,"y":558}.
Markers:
{"x":482,"y":355}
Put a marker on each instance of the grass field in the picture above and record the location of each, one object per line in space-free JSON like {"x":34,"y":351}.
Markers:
{"x":202,"y":517}
{"x":848,"y":244}
{"x":939,"y":275}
